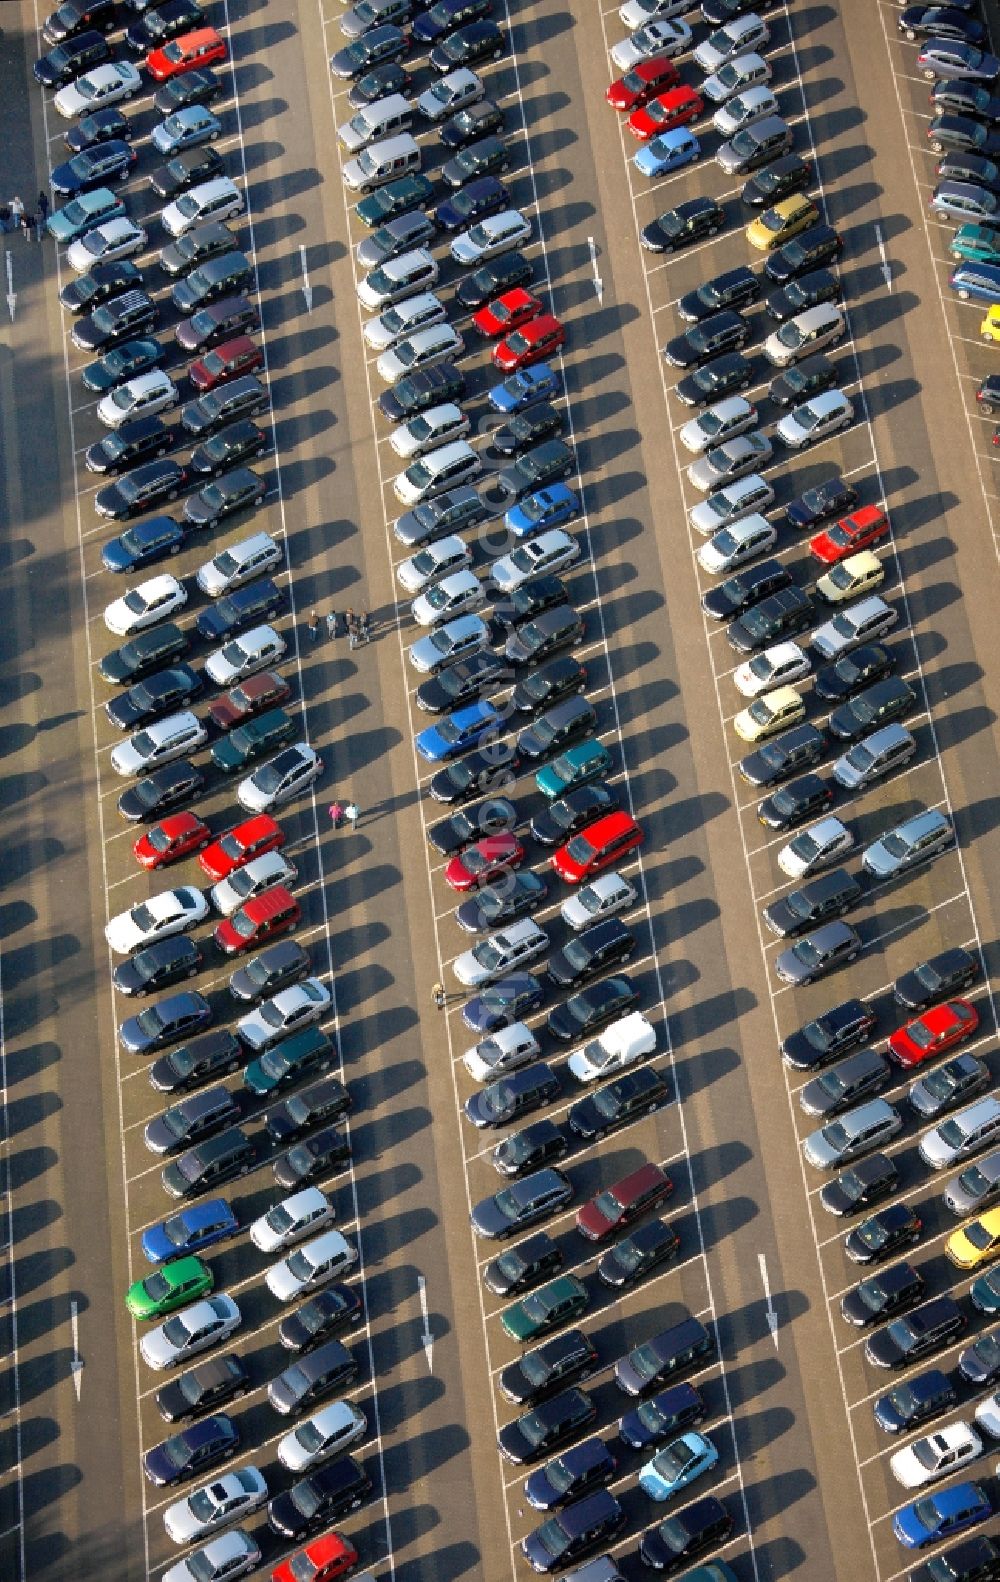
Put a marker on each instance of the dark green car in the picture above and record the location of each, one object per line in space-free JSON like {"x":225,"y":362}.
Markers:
{"x":409,"y":192}
{"x":975,"y":244}
{"x":559,"y":1302}
{"x":253,"y":740}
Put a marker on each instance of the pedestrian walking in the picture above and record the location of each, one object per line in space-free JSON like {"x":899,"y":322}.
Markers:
{"x":440,"y":997}
{"x":353,"y":634}
{"x":16,"y":212}
{"x":5,"y":219}
{"x":28,"y":224}
{"x":364,"y":627}
{"x":336,"y":813}
{"x":331,"y":624}
{"x":43,"y":209}
{"x":313,"y":625}
{"x":352,"y":813}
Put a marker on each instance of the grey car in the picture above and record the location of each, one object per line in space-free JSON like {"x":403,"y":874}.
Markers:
{"x":818,"y":953}
{"x":857,"y":1077}
{"x":732,"y":459}
{"x":916,"y":840}
{"x":860,"y":1131}
{"x":976,"y":1188}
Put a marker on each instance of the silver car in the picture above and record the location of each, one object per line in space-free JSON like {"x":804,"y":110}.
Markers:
{"x":656,"y":38}
{"x":228,"y":1498}
{"x":718,"y":423}
{"x":864,"y":622}
{"x":916,"y":840}
{"x":860,"y":1131}
{"x":733,"y":459}
{"x":737,"y":544}
{"x":816,"y":420}
{"x":298,"y":1006}
{"x":503,"y":1051}
{"x":743,"y":110}
{"x":230,"y":1555}
{"x":194,"y":1329}
{"x":440,"y":559}
{"x":975,"y":1189}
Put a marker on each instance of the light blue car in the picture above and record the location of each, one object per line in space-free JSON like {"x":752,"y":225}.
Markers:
{"x":457,"y":732}
{"x":677,"y":1465}
{"x":84,"y":213}
{"x":186,"y":128}
{"x":550,"y":507}
{"x":667,"y":152}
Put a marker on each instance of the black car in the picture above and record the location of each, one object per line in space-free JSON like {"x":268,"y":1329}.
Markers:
{"x":487,"y":770}
{"x":154,"y":483}
{"x":689,"y":222}
{"x":548,"y":1425}
{"x":99,"y":284}
{"x":326,"y":1494}
{"x":834,"y":1033}
{"x":493,"y":279}
{"x":807,"y":291}
{"x":312,"y":1159}
{"x":488,"y":156}
{"x":144,"y":544}
{"x":164,"y":962}
{"x":721,"y":377}
{"x":745,"y":589}
{"x":548,"y":683}
{"x":636,"y":1093}
{"x":192,"y":87}
{"x":737,"y":288}
{"x":723,"y":332}
{"x":718,"y":12}
{"x":544,"y":634}
{"x":121,"y":364}
{"x":853,"y":672}
{"x":506,"y":1001}
{"x":159,"y":693}
{"x":447,"y":513}
{"x":212,"y":296}
{"x":311,"y":1377}
{"x":326,"y":1100}
{"x":662,"y":1416}
{"x":431,"y":25}
{"x":469,"y":678}
{"x":417,"y":391}
{"x":561,"y":819}
{"x":783,"y":614}
{"x":212,"y":1055}
{"x":635,"y":1255}
{"x":73,"y":58}
{"x":326,"y":1314}
{"x":782,"y":178}
{"x":686,"y":1535}
{"x":795,"y":802}
{"x":807,"y":251}
{"x":191,"y":1120}
{"x":979,"y":1364}
{"x":915,"y":1401}
{"x":832,"y":497}
{"x":519,"y":1268}
{"x":531,"y":1148}
{"x":557,"y":1362}
{"x":574,"y":1533}
{"x":379,"y":83}
{"x":605,"y":944}
{"x":468,"y":46}
{"x":858,"y":1188}
{"x":512,"y":1096}
{"x":531,"y":599}
{"x":381,"y":45}
{"x":164,"y":789}
{"x":526,"y":428}
{"x":807,"y":378}
{"x":158,"y":25}
{"x":208,"y":1385}
{"x":877,"y":705}
{"x":799,"y":748}
{"x":830,"y":895}
{"x":967,"y":98}
{"x":940,"y":978}
{"x":474,"y":202}
{"x":960,"y":166}
{"x":937,"y":21}
{"x":143,"y":653}
{"x":556,"y":729}
{"x":924,"y":1330}
{"x":196,"y":247}
{"x":586,"y":1466}
{"x":493,"y":904}
{"x":281,"y":964}
{"x":94,"y":167}
{"x":130,"y":314}
{"x":593,"y":1008}
{"x":475,"y":121}
{"x":192,"y":1451}
{"x":240,"y":441}
{"x":883,"y":1233}
{"x":98,"y":127}
{"x":948,"y":1085}
{"x":185,"y":170}
{"x":861,"y":1076}
{"x":451,"y":835}
{"x":237,"y":490}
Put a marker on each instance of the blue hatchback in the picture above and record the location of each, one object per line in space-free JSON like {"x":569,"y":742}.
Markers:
{"x":110,"y":161}
{"x":976,"y":282}
{"x":545,"y":508}
{"x":523,"y":389}
{"x":192,"y":1230}
{"x":143,"y":544}
{"x":941,"y":1515}
{"x":667,"y":152}
{"x":457,"y":732}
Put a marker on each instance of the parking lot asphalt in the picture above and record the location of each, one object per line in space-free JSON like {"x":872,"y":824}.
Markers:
{"x":801,"y":1469}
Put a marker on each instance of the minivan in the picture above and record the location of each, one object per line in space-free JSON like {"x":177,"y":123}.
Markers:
{"x":221,"y":276}
{"x":381,"y":120}
{"x":459,"y":638}
{"x":961,"y":1135}
{"x":194,"y":1118}
{"x":398,"y":278}
{"x":260,"y":919}
{"x":649,"y":1365}
{"x":328,"y":1368}
{"x":804,"y":334}
{"x":878,"y":754}
{"x":440,"y":469}
{"x":219,"y":1158}
{"x":381,"y":162}
{"x":435,"y":344}
{"x":513,"y":1096}
{"x":755,"y":145}
{"x":216,"y":322}
{"x":212,"y":200}
{"x":243,"y":397}
{"x":143,"y":396}
{"x":726,"y":505}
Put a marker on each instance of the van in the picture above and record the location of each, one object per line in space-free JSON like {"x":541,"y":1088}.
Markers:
{"x":878,"y":754}
{"x":191,"y":1120}
{"x":746,"y":71}
{"x":217,"y":277}
{"x":726,"y":505}
{"x":755,"y":145}
{"x":244,"y":655}
{"x":329,"y":1367}
{"x":382,"y":162}
{"x":804,"y":334}
{"x":243,"y":397}
{"x":976,"y":282}
{"x":217,"y":1159}
{"x":239,"y":563}
{"x":212,"y":200}
{"x":216,"y":322}
{"x":398,"y":278}
{"x":650,"y":1365}
{"x":440,"y":469}
{"x":384,"y":119}
{"x":436,"y":344}
{"x":258,"y":921}
{"x":143,"y":396}
{"x":961,"y":1135}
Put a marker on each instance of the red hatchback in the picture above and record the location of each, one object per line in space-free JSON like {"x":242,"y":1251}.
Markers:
{"x":507,"y":313}
{"x":623,"y":1202}
{"x":263,"y":691}
{"x":479,"y":863}
{"x":261,"y":918}
{"x":171,"y":839}
{"x":241,"y":845}
{"x":667,"y":110}
{"x":640,"y":84}
{"x":597,"y":847}
{"x":532,"y":343}
{"x":325,"y":1558}
{"x":238,"y":356}
{"x":866,"y":527}
{"x":940,"y":1028}
{"x":203,"y":47}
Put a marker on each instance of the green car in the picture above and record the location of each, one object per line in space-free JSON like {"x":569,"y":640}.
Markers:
{"x":975,"y":244}
{"x":585,"y":762}
{"x":409,"y":192}
{"x":556,"y":1303}
{"x":292,"y":1059}
{"x":253,"y":739}
{"x":174,"y":1285}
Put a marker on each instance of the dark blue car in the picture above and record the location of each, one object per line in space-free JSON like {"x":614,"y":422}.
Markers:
{"x":457,"y":732}
{"x":508,"y":1001}
{"x":143,"y":544}
{"x":523,"y":389}
{"x":433,"y":24}
{"x":472,"y":202}
{"x":193,"y":1229}
{"x":583,"y":1467}
{"x":93,"y":167}
{"x":165,"y":1022}
{"x":259,"y":601}
{"x":941,"y":1514}
{"x":192,"y":1451}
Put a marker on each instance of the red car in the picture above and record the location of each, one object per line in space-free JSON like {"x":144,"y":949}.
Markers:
{"x":640,"y":84}
{"x":171,"y":839}
{"x":203,"y":47}
{"x":866,"y":527}
{"x":331,"y":1556}
{"x":617,"y":1205}
{"x":241,"y":845}
{"x":667,"y":110}
{"x":261,"y":918}
{"x":532,"y":343}
{"x":597,"y":847}
{"x":940,"y":1028}
{"x":263,"y":691}
{"x":238,"y":356}
{"x":507,"y":313}
{"x":479,"y":863}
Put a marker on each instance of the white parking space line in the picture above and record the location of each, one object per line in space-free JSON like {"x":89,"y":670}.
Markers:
{"x":12,"y":1412}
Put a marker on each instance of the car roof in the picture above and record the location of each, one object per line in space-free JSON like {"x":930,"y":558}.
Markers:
{"x":638,"y":1181}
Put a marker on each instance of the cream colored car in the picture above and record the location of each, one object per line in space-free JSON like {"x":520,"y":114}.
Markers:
{"x":768,"y":715}
{"x":851,"y":578}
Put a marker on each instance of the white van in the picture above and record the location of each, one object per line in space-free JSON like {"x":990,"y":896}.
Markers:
{"x":382,"y":162}
{"x":244,"y":655}
{"x":239,"y":563}
{"x":620,"y":1045}
{"x":382,"y":119}
{"x":805,"y":334}
{"x":213,"y":200}
{"x":440,"y":469}
{"x":397,"y":278}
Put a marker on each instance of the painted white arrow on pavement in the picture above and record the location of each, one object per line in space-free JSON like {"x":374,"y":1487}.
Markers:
{"x":426,"y":1337}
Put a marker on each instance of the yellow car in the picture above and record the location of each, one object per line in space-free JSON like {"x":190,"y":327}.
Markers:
{"x":858,"y":574}
{"x":781,"y":223}
{"x":975,"y":1243}
{"x":769,"y":714}
{"x":990,"y":327}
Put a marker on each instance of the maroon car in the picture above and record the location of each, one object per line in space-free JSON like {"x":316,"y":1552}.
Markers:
{"x":238,"y":356}
{"x":623,"y":1202}
{"x":482,"y":862}
{"x":263,"y":691}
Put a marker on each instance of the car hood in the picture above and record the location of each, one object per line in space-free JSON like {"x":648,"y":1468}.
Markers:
{"x":883,"y":1350}
{"x":156,"y":1349}
{"x":589,"y":1218}
{"x":488,"y":1220}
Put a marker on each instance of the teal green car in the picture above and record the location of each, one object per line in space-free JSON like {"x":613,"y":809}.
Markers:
{"x":557,"y":1303}
{"x":253,"y":740}
{"x":585,"y":762}
{"x":177,"y":1283}
{"x":294,"y":1058}
{"x":975,"y":244}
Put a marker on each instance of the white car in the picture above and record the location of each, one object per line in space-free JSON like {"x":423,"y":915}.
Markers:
{"x":773,"y":667}
{"x":311,"y":1266}
{"x":143,"y":396}
{"x":238,"y":564}
{"x":439,"y":425}
{"x":145,"y":605}
{"x":228,"y":1556}
{"x":114,"y":239}
{"x":604,"y":896}
{"x":722,"y":421}
{"x":743,"y":109}
{"x":405,"y":318}
{"x":498,"y":233}
{"x":814,"y":848}
{"x":291,"y":1219}
{"x":270,"y":868}
{"x":936,"y":1455}
{"x":816,"y":419}
{"x":228,"y":1498}
{"x":191,"y":1330}
{"x":491,"y":958}
{"x":451,"y":93}
{"x":244,"y":655}
{"x":552,"y":551}
{"x":851,"y":578}
{"x":440,"y":559}
{"x":456,"y":595}
{"x":636,"y":13}
{"x":733,"y":546}
{"x":655,"y":38}
{"x":335,"y":1428}
{"x":159,"y":742}
{"x":103,"y":85}
{"x":170,"y":912}
{"x":619,"y":1046}
{"x":280,"y":779}
{"x":503,"y":1051}
{"x":289,"y":1010}
{"x":988,"y":1415}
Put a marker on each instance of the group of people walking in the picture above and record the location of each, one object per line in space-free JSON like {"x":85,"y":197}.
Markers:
{"x":357,"y":627}
{"x":15,"y":217}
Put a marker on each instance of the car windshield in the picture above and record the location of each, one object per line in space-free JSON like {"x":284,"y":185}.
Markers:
{"x":580,"y":849}
{"x":532,"y":1427}
{"x":940,"y":1085}
{"x":761,"y":712}
{"x":805,"y":951}
{"x":488,"y":956}
{"x":552,"y":1536}
{"x":836,"y":1136}
{"x":895,"y":844}
{"x":874,"y":1235}
{"x":122,"y":399}
{"x":273,"y":1064}
{"x":175,"y":1122}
